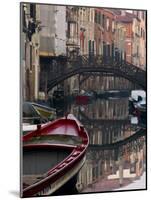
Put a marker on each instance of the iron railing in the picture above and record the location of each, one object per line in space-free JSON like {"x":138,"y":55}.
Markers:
{"x":92,"y":63}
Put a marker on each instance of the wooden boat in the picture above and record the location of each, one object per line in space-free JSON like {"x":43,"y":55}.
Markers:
{"x":34,"y":114}
{"x":137,"y":102}
{"x":83,"y":99}
{"x":26,"y":128}
{"x":31,"y":115}
{"x":44,"y":111}
{"x":52,"y":157}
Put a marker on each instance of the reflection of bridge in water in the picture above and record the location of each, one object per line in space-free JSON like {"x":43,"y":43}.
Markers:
{"x":85,"y":63}
{"x":117,"y":149}
{"x":87,"y":120}
{"x":106,"y":131}
{"x":115,"y":145}
{"x":114,"y":162}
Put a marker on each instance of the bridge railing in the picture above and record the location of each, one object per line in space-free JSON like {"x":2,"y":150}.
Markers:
{"x":98,"y":61}
{"x":108,"y":62}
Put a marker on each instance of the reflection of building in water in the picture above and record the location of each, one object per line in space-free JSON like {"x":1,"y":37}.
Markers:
{"x":107,"y":109}
{"x":106,"y":120}
{"x":109,"y":82}
{"x":120,"y":163}
{"x":104,"y":127}
{"x":74,"y":109}
{"x":127,"y":162}
{"x":106,"y":133}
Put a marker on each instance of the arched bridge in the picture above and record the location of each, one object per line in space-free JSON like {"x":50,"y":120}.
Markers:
{"x":82,"y":64}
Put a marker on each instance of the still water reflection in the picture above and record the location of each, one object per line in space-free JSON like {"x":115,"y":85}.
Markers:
{"x":116,"y":153}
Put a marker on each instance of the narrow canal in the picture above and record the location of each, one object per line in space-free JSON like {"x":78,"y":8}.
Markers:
{"x":116,"y":153}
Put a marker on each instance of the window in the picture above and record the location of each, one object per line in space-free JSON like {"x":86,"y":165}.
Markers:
{"x":141,"y":32}
{"x":92,"y":19}
{"x":143,"y":15}
{"x":103,"y":21}
{"x":72,"y":30}
{"x":68,"y":30}
{"x":113,"y":26}
{"x":33,"y":11}
{"x":30,"y":58}
{"x":100,"y":19}
{"x":137,"y":51}
{"x":88,"y":15}
{"x":107,"y":24}
{"x":108,"y":50}
{"x":137,"y":14}
{"x":91,"y":47}
{"x":95,"y":17}
{"x":23,"y":19}
{"x":137,"y":30}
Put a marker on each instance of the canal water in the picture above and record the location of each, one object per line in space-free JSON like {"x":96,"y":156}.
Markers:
{"x":116,"y":153}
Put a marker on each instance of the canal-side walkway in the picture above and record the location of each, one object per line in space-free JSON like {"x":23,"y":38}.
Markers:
{"x":137,"y":184}
{"x":105,"y":185}
{"x":113,"y":185}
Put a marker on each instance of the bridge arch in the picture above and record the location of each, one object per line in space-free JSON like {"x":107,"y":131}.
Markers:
{"x":82,"y":64}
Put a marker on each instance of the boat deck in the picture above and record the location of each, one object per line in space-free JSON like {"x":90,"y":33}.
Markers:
{"x":55,"y":139}
{"x":37,"y":162}
{"x":62,"y":129}
{"x":50,"y":151}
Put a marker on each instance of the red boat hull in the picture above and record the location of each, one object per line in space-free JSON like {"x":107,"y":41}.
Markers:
{"x":66,"y":169}
{"x":82,"y":99}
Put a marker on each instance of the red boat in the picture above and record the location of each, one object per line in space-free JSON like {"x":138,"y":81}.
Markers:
{"x":52,"y":157}
{"x":82,"y":99}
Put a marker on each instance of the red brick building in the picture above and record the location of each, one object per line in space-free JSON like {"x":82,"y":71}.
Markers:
{"x":104,"y":32}
{"x":135,"y":36}
{"x":108,"y":36}
{"x":127,"y":21}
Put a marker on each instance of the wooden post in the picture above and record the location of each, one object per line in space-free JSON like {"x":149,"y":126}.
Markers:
{"x":120,"y":171}
{"x":79,"y":82}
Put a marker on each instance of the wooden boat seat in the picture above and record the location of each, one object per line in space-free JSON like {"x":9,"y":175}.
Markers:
{"x":55,"y":139}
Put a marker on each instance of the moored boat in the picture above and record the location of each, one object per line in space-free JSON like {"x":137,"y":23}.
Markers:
{"x":82,"y":99}
{"x":31,"y":115}
{"x":47,"y":112}
{"x":137,"y":106}
{"x":52,"y":156}
{"x":34,"y":114}
{"x":137,"y":101}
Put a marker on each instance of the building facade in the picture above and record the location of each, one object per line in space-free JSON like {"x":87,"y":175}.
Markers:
{"x":52,"y":44}
{"x":139,"y":29}
{"x":30,"y":50}
{"x":134,"y":25}
{"x":52,"y":36}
